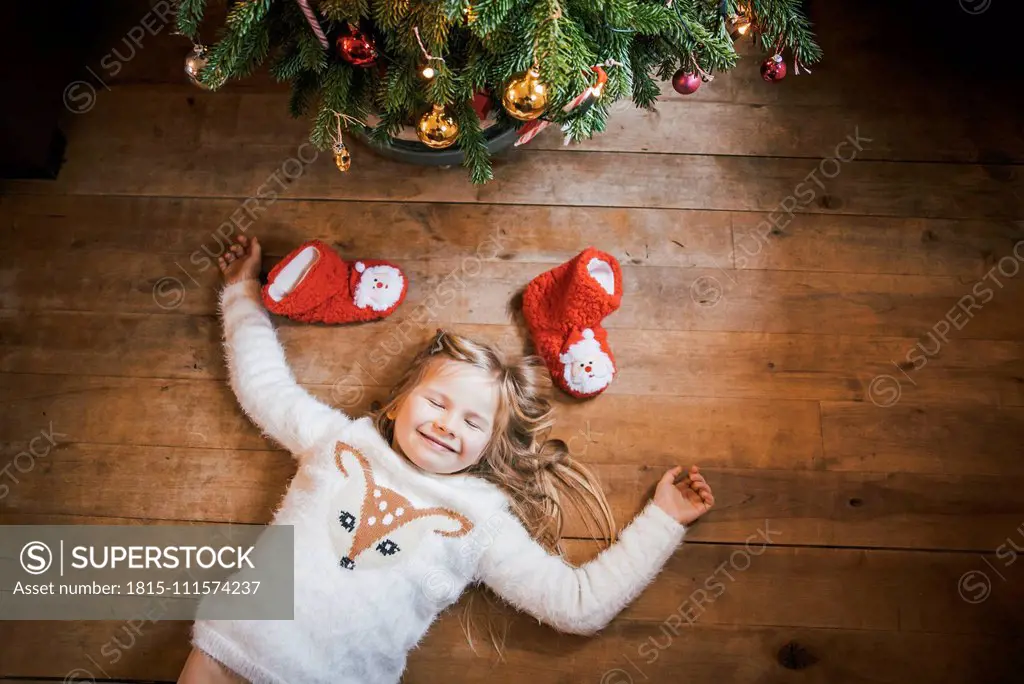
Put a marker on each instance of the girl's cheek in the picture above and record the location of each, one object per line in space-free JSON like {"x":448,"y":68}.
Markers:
{"x":477,"y":447}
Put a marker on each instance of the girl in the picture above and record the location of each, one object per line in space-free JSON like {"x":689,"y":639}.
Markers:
{"x":451,"y":482}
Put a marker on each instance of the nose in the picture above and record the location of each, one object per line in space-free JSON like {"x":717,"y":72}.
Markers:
{"x":587,"y":369}
{"x":380,"y":285}
{"x":441,"y":427}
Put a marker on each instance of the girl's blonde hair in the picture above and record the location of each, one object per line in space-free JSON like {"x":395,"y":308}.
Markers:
{"x":537,"y":472}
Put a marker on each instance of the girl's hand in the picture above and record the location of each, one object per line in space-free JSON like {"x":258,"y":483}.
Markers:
{"x":687,"y":500}
{"x":241,"y":261}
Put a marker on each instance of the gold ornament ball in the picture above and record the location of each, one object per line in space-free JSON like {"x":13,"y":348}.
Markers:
{"x":342,"y":157}
{"x":194,"y":64}
{"x":526,"y":96}
{"x":437,"y":129}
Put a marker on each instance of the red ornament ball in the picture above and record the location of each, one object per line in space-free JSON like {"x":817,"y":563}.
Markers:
{"x":685,"y":82}
{"x":774,"y":69}
{"x":356,"y":48}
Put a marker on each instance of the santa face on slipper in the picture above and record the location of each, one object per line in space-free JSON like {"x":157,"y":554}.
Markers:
{"x":587,"y":368}
{"x":379,"y":287}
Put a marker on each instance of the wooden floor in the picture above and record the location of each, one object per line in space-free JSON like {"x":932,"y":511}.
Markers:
{"x":870,"y":489}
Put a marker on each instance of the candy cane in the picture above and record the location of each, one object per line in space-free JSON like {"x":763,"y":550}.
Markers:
{"x":313,"y":23}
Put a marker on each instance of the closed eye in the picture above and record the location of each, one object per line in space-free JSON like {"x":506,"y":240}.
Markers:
{"x":473,"y":425}
{"x":435,"y":403}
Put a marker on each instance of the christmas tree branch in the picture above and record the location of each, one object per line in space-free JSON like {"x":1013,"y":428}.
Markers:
{"x":341,"y":11}
{"x":784,"y":21}
{"x":304,"y":89}
{"x":472,"y":143}
{"x":189,"y":16}
{"x":335,"y":86}
{"x":244,"y":45}
{"x":475,"y":46}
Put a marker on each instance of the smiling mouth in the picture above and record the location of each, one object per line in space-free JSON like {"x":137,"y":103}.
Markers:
{"x":436,"y":441}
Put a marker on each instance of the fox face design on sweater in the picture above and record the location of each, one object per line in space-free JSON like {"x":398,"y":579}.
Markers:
{"x":375,"y":526}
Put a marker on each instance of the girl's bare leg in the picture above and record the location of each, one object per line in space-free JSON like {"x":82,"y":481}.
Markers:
{"x":202,"y":669}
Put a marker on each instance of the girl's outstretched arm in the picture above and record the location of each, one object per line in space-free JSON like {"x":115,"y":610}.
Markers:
{"x":583,"y":600}
{"x":257,"y":367}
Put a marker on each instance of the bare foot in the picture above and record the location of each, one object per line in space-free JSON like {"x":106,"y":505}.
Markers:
{"x":241,"y":261}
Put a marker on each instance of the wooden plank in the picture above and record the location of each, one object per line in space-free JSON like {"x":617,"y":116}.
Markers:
{"x":94,"y":651}
{"x":808,"y":507}
{"x":865,"y":244}
{"x":901,"y":596}
{"x":116,"y":482}
{"x":659,"y":364}
{"x":939,"y":439}
{"x":193,"y":146}
{"x":205,"y":415}
{"x":631,"y":651}
{"x":902,"y":591}
{"x":848,"y":509}
{"x":953,"y":439}
{"x":662,"y":363}
{"x":891,"y":132}
{"x":886,"y":131}
{"x":157,"y":651}
{"x":168,"y":412}
{"x":183,"y":227}
{"x":539,"y":234}
{"x":606,"y":179}
{"x":476,"y":289}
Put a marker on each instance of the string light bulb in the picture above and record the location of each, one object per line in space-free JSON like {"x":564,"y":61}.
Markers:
{"x":428,"y":72}
{"x":740,"y":27}
{"x":739,"y":23}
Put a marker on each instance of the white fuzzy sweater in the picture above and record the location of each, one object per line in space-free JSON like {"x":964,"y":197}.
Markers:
{"x":381,"y":547}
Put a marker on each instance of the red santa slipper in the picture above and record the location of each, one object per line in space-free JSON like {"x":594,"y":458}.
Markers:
{"x":315,"y":285}
{"x":564,"y":307}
